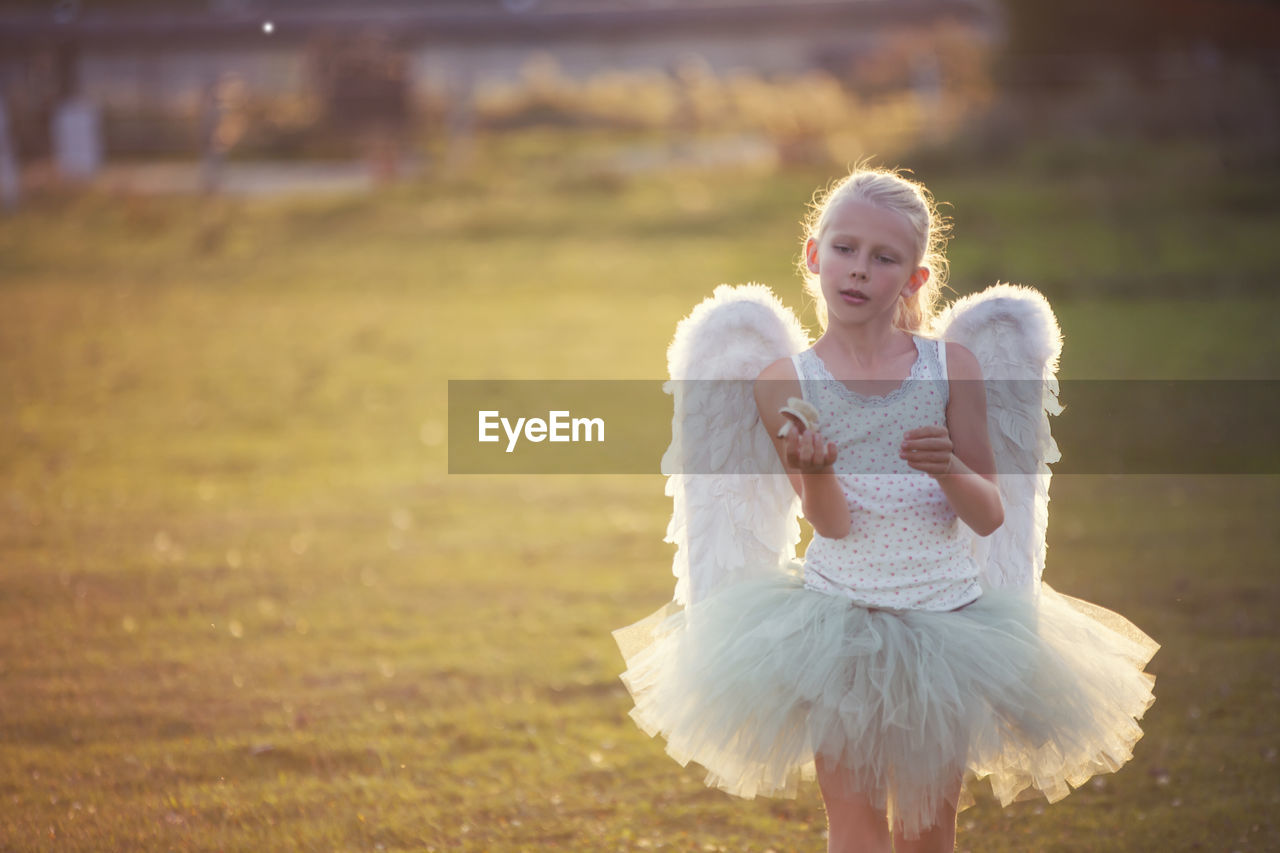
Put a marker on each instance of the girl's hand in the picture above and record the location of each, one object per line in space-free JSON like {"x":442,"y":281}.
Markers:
{"x":808,"y":452}
{"x":928,"y":449}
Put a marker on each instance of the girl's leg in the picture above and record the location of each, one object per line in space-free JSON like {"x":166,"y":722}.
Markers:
{"x":854,"y":824}
{"x":939,"y":838}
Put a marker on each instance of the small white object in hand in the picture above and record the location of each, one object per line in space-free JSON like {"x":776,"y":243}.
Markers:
{"x":799,"y":413}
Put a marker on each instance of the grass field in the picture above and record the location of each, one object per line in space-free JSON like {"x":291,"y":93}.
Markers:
{"x":243,"y":607}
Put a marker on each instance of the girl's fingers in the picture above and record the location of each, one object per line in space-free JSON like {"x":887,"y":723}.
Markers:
{"x":933,"y":463}
{"x":809,"y":451}
{"x":817,"y":450}
{"x":793,"y":449}
{"x":939,"y":454}
{"x":800,"y":450}
{"x":824,"y":452}
{"x":929,"y":439}
{"x":925,"y":445}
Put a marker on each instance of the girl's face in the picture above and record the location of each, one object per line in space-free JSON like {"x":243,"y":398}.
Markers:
{"x":866,"y":262}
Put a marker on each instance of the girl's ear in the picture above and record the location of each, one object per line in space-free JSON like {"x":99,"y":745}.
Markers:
{"x":915,"y":282}
{"x":811,"y":254}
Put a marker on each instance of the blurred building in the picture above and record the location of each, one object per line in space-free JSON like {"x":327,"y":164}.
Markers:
{"x":369,"y":61}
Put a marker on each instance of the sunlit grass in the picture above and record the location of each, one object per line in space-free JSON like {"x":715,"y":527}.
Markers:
{"x":245,"y":608}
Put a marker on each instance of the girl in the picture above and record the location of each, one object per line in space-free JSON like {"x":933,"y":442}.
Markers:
{"x":889,"y":667}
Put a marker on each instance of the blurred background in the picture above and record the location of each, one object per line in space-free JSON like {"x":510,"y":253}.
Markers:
{"x":245,"y":245}
{"x":417,"y":88}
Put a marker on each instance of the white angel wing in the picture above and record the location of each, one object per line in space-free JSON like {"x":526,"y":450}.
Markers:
{"x":734,"y":511}
{"x":1015,"y":336}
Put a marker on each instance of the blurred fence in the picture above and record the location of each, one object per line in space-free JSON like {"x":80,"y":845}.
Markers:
{"x":341,"y":91}
{"x":885,"y":105}
{"x":923,"y":86}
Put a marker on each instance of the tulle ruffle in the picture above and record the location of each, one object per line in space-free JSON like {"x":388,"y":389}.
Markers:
{"x":1036,"y":696}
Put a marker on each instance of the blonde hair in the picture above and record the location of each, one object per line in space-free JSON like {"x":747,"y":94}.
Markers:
{"x":887,"y":189}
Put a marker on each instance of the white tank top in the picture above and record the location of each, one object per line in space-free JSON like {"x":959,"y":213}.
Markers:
{"x":904,"y":550}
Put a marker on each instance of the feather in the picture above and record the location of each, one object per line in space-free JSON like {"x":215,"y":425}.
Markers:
{"x":734,"y":512}
{"x":1017,"y":341}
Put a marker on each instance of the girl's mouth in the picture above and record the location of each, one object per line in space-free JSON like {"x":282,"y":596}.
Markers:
{"x":853,"y":297}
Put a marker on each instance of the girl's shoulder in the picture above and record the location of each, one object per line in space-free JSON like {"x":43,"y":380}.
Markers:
{"x":783,"y":368}
{"x":958,"y":361}
{"x":961,"y":362}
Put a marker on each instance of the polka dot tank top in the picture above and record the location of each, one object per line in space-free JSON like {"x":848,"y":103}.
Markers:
{"x":905,"y":550}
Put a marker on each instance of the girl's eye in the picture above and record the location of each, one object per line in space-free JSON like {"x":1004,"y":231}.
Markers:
{"x":842,"y":248}
{"x":885,"y":259}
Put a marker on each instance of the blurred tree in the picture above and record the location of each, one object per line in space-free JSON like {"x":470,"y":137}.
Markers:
{"x":1153,"y":69}
{"x":10,"y":175}
{"x":364,"y":88}
{"x":1036,"y":28}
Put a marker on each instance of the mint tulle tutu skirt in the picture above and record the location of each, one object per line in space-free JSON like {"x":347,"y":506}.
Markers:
{"x":755,"y":681}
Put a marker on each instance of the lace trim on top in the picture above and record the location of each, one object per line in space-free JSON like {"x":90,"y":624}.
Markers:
{"x":817,"y":369}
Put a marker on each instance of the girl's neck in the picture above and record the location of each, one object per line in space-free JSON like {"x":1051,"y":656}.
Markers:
{"x":864,"y":347}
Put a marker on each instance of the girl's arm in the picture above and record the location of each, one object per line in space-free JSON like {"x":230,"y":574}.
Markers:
{"x":807,"y":457}
{"x":959,"y":455}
